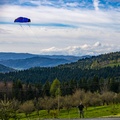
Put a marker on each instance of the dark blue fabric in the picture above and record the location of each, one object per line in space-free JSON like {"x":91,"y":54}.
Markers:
{"x":22,"y":20}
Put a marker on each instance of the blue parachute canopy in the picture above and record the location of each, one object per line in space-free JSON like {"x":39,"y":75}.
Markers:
{"x":22,"y":20}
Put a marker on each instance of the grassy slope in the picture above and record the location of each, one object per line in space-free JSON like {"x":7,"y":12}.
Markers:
{"x":91,"y":112}
{"x":112,"y":65}
{"x":95,"y":112}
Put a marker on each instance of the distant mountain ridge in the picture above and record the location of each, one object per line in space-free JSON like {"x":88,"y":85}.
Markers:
{"x":4,"y":69}
{"x":13,"y":56}
{"x":33,"y":62}
{"x":25,"y":60}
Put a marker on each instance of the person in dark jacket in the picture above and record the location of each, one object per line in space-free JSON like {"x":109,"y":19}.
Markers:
{"x":81,"y":107}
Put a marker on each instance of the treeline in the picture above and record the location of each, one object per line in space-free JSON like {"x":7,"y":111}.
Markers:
{"x":28,"y":91}
{"x":97,"y":62}
{"x":41,"y":75}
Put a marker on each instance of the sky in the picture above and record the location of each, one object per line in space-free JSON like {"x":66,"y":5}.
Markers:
{"x":60,"y":27}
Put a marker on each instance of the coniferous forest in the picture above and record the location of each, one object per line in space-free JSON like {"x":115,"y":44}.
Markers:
{"x":90,"y":74}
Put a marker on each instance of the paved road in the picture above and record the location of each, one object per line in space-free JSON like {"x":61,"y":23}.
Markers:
{"x":87,"y":119}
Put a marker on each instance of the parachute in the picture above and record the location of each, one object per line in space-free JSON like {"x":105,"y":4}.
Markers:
{"x":22,"y":20}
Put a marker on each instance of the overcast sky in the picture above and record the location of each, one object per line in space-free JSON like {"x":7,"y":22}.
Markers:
{"x":60,"y":27}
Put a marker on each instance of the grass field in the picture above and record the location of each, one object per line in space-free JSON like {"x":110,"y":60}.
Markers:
{"x":91,"y":112}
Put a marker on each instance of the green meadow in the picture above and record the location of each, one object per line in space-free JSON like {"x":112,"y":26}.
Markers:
{"x":112,"y":110}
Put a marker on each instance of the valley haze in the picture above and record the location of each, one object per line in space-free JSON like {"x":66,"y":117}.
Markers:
{"x":20,"y":61}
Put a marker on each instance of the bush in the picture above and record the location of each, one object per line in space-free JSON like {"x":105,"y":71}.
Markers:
{"x":27,"y":107}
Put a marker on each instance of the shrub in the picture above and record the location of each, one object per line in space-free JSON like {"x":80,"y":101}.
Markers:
{"x":27,"y":107}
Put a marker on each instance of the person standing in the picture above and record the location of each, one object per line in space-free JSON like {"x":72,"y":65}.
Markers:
{"x":81,"y":107}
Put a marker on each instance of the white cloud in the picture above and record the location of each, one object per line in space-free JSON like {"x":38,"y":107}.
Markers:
{"x":74,"y":4}
{"x":79,"y":34}
{"x":45,"y":14}
{"x":97,"y":44}
{"x":85,"y":49}
{"x":114,"y":0}
{"x":96,"y":4}
{"x":4,"y":31}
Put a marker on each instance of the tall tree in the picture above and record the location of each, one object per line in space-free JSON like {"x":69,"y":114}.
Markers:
{"x":55,"y":88}
{"x":114,"y":85}
{"x":95,"y":84}
{"x":17,"y":89}
{"x":46,"y":88}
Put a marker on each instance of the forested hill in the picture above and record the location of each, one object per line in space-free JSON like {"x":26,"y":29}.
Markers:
{"x":109,"y":68}
{"x":96,"y":62}
{"x":4,"y":69}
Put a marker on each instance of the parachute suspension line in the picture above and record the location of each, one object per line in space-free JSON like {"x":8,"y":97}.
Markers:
{"x":26,"y":21}
{"x":29,"y":25}
{"x":21,"y":26}
{"x":24,"y":30}
{"x":37,"y":38}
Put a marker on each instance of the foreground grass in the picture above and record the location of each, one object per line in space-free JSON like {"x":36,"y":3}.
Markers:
{"x":90,"y":112}
{"x":95,"y":112}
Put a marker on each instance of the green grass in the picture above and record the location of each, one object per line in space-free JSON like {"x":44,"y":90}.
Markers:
{"x":91,"y":112}
{"x":112,"y":64}
{"x":96,"y":112}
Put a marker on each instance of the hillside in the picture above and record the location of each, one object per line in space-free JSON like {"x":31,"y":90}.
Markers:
{"x":4,"y":69}
{"x":14,"y":56}
{"x":22,"y":61}
{"x":33,"y":62}
{"x":96,"y":62}
{"x":74,"y":71}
